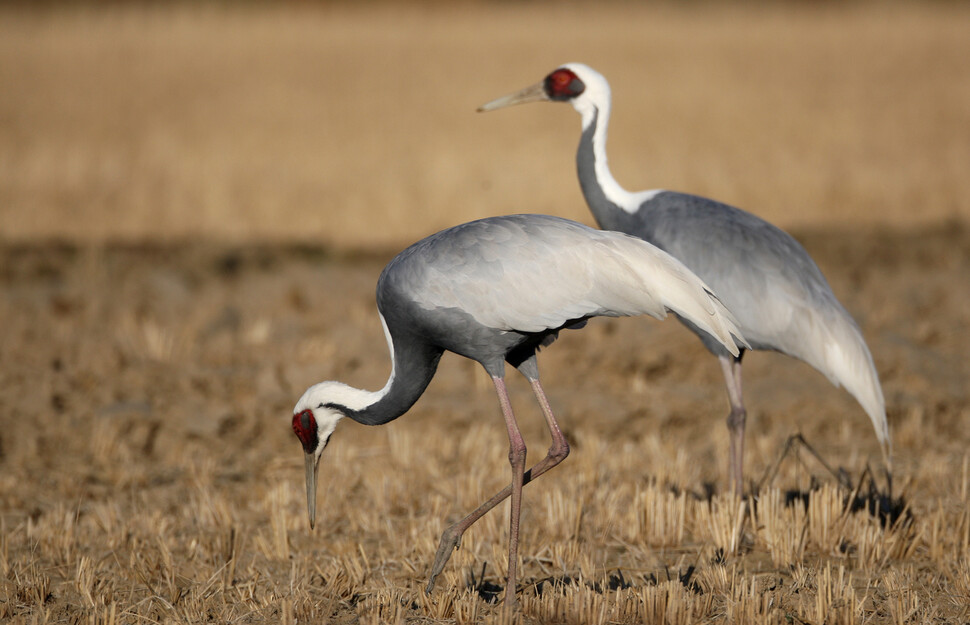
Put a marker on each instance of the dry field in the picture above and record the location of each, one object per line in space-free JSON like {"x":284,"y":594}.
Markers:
{"x":195,"y":206}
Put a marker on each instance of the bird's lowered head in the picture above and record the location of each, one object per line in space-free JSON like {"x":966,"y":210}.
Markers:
{"x":580,"y":85}
{"x":314,"y":419}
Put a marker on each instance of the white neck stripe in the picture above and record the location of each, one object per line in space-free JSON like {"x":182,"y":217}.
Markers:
{"x":594,"y":105}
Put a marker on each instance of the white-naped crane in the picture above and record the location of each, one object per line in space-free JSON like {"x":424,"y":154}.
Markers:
{"x":778,"y":294}
{"x":496,"y":290}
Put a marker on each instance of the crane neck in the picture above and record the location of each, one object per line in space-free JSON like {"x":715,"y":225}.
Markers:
{"x":413,"y":364}
{"x":607,"y":200}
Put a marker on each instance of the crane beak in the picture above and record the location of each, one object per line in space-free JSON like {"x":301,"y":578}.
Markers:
{"x":312,"y":464}
{"x":535,"y":93}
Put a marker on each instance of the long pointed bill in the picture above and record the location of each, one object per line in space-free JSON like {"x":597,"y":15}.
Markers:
{"x":311,"y":487}
{"x":535,"y":93}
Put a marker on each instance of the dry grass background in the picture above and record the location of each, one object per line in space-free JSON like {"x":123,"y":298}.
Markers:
{"x":261,"y":124}
{"x":195,"y":204}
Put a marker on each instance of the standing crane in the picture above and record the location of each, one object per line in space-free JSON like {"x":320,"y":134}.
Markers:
{"x":496,"y":290}
{"x":766,"y":278}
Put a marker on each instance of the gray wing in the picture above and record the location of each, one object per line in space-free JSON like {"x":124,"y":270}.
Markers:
{"x":759,"y":271}
{"x":777,"y":292}
{"x":532,"y":273}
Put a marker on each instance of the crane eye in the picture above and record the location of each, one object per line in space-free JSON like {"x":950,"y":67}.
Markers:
{"x":563,"y":84}
{"x":305,"y":428}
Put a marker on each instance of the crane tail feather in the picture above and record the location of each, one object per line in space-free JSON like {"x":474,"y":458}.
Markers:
{"x":678,"y":289}
{"x":848,"y":363}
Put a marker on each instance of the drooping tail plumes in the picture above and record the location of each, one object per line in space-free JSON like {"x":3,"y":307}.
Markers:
{"x":678,"y":289}
{"x":847,"y":362}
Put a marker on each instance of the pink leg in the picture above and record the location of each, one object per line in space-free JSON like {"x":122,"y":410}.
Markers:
{"x":735,"y":421}
{"x":517,"y":452}
{"x":558,"y":450}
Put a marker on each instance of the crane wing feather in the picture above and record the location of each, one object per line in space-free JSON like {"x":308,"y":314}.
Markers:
{"x":534,"y":273}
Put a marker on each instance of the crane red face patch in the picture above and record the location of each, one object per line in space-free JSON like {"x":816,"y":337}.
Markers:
{"x":563,"y":84}
{"x":305,"y":428}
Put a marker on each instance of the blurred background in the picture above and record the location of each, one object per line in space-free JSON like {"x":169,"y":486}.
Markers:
{"x":354,"y":125}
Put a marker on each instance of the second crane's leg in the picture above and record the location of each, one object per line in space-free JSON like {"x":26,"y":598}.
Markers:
{"x":731,"y":367}
{"x":558,"y":450}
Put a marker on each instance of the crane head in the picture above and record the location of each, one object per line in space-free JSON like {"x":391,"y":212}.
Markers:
{"x":565,"y":84}
{"x":313,"y":426}
{"x":580,"y":85}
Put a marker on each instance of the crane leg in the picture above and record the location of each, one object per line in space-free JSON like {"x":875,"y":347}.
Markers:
{"x":731,"y":367}
{"x":517,"y":452}
{"x":558,"y":450}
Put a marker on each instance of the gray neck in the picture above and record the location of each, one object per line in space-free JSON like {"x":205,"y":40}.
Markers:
{"x":595,"y":178}
{"x":414,"y":364}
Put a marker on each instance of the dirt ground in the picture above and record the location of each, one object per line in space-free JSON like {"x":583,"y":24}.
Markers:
{"x":171,"y":285}
{"x":146,"y":445}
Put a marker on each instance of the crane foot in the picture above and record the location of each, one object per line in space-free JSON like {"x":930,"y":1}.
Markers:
{"x":450,"y":542}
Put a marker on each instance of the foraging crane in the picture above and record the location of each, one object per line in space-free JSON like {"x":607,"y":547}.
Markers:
{"x":496,"y":290}
{"x":777,"y":292}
